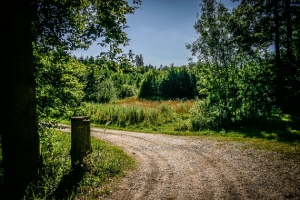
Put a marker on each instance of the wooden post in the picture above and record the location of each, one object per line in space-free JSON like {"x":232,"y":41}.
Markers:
{"x":80,"y":142}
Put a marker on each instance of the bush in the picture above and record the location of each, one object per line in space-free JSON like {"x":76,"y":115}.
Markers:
{"x":127,"y":91}
{"x":150,"y":85}
{"x":106,"y":91}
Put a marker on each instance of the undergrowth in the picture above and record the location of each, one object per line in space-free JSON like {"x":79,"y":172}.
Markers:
{"x":56,"y":179}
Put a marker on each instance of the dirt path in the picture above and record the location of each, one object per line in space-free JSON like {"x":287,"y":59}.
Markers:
{"x":186,"y":168}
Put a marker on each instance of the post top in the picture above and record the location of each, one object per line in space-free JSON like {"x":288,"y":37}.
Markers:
{"x":80,"y":118}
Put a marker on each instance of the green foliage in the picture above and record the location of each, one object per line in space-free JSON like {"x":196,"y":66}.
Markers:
{"x":234,"y":85}
{"x":55,"y":28}
{"x":272,"y":27}
{"x":201,"y":118}
{"x":59,"y":88}
{"x":104,"y":84}
{"x":139,"y":62}
{"x":57,"y":180}
{"x":69,"y":25}
{"x":170,"y":83}
{"x":178,"y":83}
{"x":247,"y":94}
{"x":63,"y":26}
{"x":106,"y":91}
{"x":150,"y":85}
{"x":127,"y":91}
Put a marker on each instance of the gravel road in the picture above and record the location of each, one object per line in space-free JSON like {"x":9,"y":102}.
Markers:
{"x":177,"y":167}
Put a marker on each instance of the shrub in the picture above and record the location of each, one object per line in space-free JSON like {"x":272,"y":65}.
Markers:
{"x":150,"y":87}
{"x":127,"y":91}
{"x":106,"y":91}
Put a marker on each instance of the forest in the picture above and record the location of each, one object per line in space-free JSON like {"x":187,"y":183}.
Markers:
{"x":246,"y":77}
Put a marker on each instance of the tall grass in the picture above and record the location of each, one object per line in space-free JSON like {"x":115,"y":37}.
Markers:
{"x":180,"y":117}
{"x":132,"y":111}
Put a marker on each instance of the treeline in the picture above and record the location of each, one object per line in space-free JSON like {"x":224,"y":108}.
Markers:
{"x":106,"y":80}
{"x":64,"y":84}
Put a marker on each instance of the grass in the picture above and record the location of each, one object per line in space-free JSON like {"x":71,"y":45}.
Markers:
{"x":174,"y":117}
{"x":143,"y":115}
{"x":57,"y":180}
{"x":290,"y":150}
{"x":280,"y":134}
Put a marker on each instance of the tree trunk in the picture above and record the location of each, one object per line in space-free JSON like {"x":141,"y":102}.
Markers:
{"x":19,"y":128}
{"x":289,"y":30}
{"x":278,"y":65}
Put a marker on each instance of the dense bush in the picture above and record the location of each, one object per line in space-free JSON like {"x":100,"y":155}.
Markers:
{"x":178,"y":83}
{"x":243,"y":95}
{"x":170,"y":83}
{"x":234,"y":85}
{"x":150,"y":85}
{"x":127,"y":91}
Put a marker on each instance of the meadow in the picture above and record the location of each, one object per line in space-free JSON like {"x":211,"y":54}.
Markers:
{"x":170,"y":116}
{"x":175,"y":117}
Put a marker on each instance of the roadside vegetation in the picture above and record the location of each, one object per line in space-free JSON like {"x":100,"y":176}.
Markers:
{"x":176,"y":117}
{"x":58,"y":181}
{"x":280,"y":133}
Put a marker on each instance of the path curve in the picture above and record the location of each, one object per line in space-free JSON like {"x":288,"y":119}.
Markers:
{"x":177,"y":167}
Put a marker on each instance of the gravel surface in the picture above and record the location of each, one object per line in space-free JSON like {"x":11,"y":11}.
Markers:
{"x":177,"y":167}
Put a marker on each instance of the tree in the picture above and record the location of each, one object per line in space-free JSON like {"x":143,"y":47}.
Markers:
{"x":214,"y":47}
{"x":131,"y":56}
{"x":150,"y":87}
{"x":178,"y":83}
{"x":273,"y":25}
{"x":52,"y":25}
{"x":139,"y":61}
{"x":19,"y":128}
{"x":234,"y":81}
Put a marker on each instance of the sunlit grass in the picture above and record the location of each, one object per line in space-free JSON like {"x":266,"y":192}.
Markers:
{"x":280,"y":134}
{"x":179,"y":106}
{"x":174,"y":117}
{"x":132,"y":112}
{"x":289,"y":149}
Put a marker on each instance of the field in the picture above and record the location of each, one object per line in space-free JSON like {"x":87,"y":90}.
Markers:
{"x":169,"y":117}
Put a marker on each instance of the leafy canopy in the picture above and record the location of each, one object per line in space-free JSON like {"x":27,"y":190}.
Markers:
{"x":71,"y":24}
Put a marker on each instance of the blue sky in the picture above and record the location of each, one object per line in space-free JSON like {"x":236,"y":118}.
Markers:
{"x":159,"y":30}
